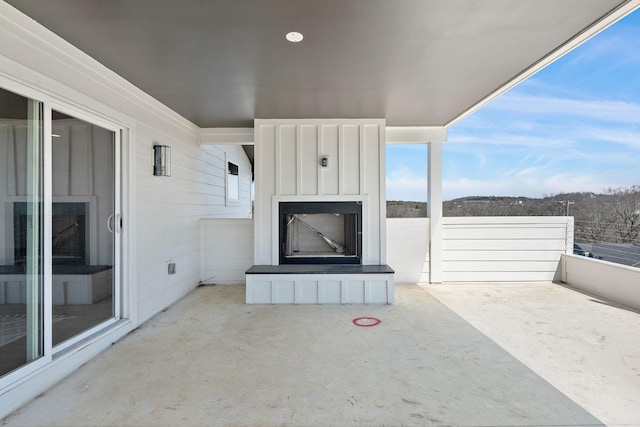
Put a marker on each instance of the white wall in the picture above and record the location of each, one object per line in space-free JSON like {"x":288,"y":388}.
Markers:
{"x":408,"y":249}
{"x":226,"y":250}
{"x":287,"y":166}
{"x":616,"y":282}
{"x":477,"y":249}
{"x":169,"y":210}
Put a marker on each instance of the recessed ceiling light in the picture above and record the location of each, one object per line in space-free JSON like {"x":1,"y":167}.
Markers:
{"x":294,"y":37}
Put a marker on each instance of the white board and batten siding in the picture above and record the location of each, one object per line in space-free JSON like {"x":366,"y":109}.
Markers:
{"x":504,"y":249}
{"x":320,"y":289}
{"x":288,"y":169}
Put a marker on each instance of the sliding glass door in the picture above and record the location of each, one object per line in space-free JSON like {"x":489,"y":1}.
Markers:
{"x":84,"y":225}
{"x":21,"y":235}
{"x":60,"y":230}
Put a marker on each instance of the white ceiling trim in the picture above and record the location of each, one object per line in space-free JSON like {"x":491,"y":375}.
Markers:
{"x":240,"y":136}
{"x":610,"y":19}
{"x":415,"y":134}
{"x":393,"y":135}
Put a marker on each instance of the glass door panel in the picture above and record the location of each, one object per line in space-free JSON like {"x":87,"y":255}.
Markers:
{"x":82,"y":225}
{"x":21,"y":231}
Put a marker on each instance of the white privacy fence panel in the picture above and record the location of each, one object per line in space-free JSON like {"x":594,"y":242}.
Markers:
{"x":478,"y":249}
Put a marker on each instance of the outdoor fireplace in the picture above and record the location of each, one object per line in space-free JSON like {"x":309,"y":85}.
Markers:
{"x":320,"y":232}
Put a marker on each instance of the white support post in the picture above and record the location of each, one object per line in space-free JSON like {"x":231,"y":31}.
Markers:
{"x":434,"y":210}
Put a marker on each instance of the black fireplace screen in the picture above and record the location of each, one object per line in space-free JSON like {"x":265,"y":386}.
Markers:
{"x":320,"y":233}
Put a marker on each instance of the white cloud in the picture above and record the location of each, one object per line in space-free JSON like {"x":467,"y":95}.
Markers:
{"x":556,"y":107}
{"x":622,"y":46}
{"x":625,"y":136}
{"x":506,"y":136}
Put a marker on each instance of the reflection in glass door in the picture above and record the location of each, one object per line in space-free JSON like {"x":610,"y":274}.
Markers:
{"x":84,"y":226}
{"x":21,"y":231}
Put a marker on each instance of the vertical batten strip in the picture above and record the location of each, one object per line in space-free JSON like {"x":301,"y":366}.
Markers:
{"x":90,"y":160}
{"x":278,"y":166}
{"x":298,"y":169}
{"x":363,"y":164}
{"x":341,"y":172}
{"x":12,"y":177}
{"x":367,"y":292}
{"x":390,"y":294}
{"x":321,"y":152}
{"x":382,"y":175}
{"x":274,"y":291}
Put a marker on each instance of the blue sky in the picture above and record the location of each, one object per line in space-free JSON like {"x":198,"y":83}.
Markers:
{"x":574,"y":126}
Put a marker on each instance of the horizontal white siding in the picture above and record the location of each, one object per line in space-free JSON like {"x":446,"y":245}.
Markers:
{"x":169,"y":210}
{"x":618,"y":283}
{"x":226,"y":250}
{"x":479,"y":249}
{"x":504,"y":248}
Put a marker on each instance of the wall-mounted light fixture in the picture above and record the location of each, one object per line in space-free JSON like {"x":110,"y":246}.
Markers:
{"x":161,"y":160}
{"x":324,"y":161}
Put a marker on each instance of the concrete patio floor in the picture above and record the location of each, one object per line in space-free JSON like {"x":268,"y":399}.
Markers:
{"x":212,"y":360}
{"x":587,"y":347}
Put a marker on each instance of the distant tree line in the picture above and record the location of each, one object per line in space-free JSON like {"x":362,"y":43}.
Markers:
{"x":613,"y":216}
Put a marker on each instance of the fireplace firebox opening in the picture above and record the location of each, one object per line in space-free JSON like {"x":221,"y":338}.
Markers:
{"x":320,"y":232}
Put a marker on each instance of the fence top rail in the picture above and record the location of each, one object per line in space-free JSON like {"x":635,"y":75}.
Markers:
{"x":507,"y":220}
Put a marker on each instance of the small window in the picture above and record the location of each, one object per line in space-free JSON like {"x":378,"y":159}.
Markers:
{"x":233,"y":182}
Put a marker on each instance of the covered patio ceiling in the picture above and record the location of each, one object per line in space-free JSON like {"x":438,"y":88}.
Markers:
{"x":414,"y":62}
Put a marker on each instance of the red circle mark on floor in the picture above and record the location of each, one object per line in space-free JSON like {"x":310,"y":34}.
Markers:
{"x":366,"y":321}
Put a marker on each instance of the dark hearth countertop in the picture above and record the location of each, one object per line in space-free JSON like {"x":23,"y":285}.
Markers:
{"x":320,"y":269}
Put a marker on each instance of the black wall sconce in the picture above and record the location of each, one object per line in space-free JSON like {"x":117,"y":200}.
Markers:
{"x":161,"y":160}
{"x":324,"y":162}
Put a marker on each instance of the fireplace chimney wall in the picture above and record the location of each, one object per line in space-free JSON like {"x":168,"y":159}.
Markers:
{"x":289,"y":168}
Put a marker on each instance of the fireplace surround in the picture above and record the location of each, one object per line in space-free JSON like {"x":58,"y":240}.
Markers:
{"x":319,"y":226}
